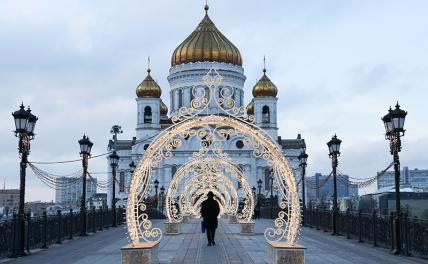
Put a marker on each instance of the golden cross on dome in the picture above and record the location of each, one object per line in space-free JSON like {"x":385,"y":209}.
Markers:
{"x":206,"y":7}
{"x":264,"y":63}
{"x":148,"y":64}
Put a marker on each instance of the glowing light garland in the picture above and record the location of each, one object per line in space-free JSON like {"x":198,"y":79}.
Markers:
{"x":206,"y":170}
{"x":213,"y":131}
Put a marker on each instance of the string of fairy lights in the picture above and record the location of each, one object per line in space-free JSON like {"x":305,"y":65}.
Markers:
{"x":347,"y":180}
{"x":70,"y":180}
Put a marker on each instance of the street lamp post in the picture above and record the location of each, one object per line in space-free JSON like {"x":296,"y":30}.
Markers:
{"x":25,"y":123}
{"x":303,"y":157}
{"x":131,"y":170}
{"x":114,"y":161}
{"x":85,"y":153}
{"x":394,"y":128}
{"x":132,"y":167}
{"x":259,"y":186}
{"x":162,"y":193}
{"x":156,"y":183}
{"x":333,"y":148}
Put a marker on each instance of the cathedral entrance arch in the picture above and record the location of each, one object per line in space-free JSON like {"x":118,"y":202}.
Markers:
{"x":212,"y":131}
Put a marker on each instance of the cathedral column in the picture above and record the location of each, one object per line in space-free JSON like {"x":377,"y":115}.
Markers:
{"x":237,"y":96}
{"x":241,"y":97}
{"x":248,"y":176}
{"x":175,"y":98}
{"x":186,"y":96}
{"x":167,"y":174}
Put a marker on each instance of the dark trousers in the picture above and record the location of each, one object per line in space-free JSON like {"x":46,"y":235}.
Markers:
{"x":210,"y":234}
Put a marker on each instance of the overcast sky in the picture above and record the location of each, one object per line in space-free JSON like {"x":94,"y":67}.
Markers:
{"x":338,"y":65}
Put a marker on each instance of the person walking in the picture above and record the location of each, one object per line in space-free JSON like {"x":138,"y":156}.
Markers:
{"x":209,"y":212}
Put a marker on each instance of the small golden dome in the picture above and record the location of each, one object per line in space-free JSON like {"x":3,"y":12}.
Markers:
{"x":206,"y":43}
{"x":148,"y":88}
{"x":163,"y":109}
{"x":265,"y":87}
{"x":250,"y":108}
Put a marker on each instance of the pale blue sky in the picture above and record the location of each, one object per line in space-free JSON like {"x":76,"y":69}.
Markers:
{"x":338,"y":65}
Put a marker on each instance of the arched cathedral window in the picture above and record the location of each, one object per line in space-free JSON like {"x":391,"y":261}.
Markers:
{"x":147,"y":114}
{"x":192,"y":96}
{"x":172,"y":101}
{"x":207,"y":93}
{"x":122,"y":181}
{"x":173,"y":171}
{"x":267,"y":179}
{"x":180,"y":98}
{"x":265,"y":114}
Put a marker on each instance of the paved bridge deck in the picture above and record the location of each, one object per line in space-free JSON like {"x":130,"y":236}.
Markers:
{"x":190,"y":247}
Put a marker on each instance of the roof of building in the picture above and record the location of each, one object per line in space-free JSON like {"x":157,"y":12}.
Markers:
{"x":148,"y":88}
{"x":391,"y":189}
{"x":265,"y":87}
{"x":298,"y":143}
{"x":122,"y":144}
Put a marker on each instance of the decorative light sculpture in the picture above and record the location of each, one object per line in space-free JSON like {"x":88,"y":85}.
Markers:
{"x":213,"y":131}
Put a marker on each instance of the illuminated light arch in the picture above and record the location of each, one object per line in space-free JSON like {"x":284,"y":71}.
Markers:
{"x":212,"y":131}
{"x":202,"y":194}
{"x":194,"y":191}
{"x":210,"y":168}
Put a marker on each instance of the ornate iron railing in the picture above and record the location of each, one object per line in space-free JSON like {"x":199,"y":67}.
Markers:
{"x":373,"y":228}
{"x":41,"y":231}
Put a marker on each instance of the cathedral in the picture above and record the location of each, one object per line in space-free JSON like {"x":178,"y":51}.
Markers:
{"x":204,"y":49}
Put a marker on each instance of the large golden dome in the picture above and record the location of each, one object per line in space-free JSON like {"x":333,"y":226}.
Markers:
{"x":148,"y":88}
{"x":265,"y":87}
{"x":206,"y":43}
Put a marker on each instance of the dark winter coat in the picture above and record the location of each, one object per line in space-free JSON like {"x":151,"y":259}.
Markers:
{"x":209,"y":212}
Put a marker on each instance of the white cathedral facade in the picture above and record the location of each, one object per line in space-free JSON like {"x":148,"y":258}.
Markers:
{"x":204,"y":49}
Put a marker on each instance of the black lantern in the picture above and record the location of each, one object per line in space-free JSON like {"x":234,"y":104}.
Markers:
{"x":132,"y":167}
{"x":254,"y":190}
{"x":21,"y":120}
{"x":31,"y":125}
{"x":334,"y":146}
{"x":114,"y":159}
{"x":162,"y":191}
{"x":398,"y":116}
{"x":85,"y":145}
{"x":303,"y":157}
{"x":387,"y":122}
{"x":156,"y":183}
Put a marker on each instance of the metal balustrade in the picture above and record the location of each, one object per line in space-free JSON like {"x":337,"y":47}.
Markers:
{"x":44,"y":230}
{"x":373,"y":228}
